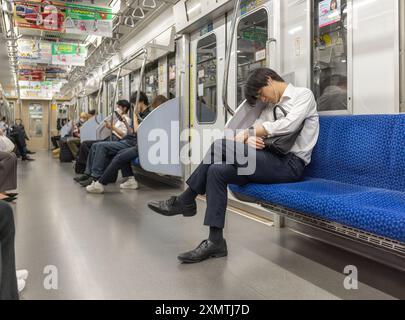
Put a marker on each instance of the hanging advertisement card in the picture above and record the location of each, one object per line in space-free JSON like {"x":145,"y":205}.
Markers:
{"x":68,"y":54}
{"x":64,"y":17}
{"x":92,"y":21}
{"x":34,"y":52}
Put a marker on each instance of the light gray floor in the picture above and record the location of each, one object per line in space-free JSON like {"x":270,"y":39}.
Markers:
{"x":113,"y":247}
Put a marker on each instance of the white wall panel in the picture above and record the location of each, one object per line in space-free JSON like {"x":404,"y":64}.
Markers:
{"x":375,"y":57}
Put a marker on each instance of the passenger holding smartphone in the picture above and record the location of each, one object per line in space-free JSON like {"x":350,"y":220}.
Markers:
{"x":120,"y":127}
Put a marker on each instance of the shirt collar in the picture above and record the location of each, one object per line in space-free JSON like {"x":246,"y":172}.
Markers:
{"x":288,"y":93}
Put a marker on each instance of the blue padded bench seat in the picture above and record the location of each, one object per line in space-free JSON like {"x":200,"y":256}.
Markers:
{"x":356,"y":178}
{"x":136,"y":162}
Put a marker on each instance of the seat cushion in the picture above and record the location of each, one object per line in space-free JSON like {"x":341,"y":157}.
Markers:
{"x":136,"y":162}
{"x":378,"y":211}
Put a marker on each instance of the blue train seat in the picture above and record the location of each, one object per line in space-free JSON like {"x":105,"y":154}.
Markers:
{"x":356,"y":178}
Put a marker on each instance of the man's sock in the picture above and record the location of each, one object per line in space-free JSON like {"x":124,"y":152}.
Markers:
{"x":216,"y":234}
{"x":188,"y":196}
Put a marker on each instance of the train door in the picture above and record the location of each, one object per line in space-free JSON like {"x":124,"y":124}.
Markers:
{"x":35,"y":117}
{"x":206,"y":73}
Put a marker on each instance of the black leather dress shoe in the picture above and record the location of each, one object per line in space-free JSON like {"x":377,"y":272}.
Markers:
{"x":206,"y":250}
{"x":10,"y":199}
{"x":173,"y":207}
{"x":27,"y":159}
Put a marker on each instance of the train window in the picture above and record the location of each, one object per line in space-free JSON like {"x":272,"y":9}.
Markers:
{"x":207,"y":79}
{"x":152,"y":80}
{"x":329,"y":79}
{"x":171,"y":62}
{"x":251,"y":47}
{"x":36,"y":120}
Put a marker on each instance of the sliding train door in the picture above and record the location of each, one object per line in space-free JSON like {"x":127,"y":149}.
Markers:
{"x":207,"y":117}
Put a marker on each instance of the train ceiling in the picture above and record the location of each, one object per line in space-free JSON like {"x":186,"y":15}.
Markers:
{"x":59,"y":32}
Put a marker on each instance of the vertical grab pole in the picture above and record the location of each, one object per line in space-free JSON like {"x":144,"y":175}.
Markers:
{"x":113,"y":101}
{"x":100,"y":89}
{"x":145,"y":58}
{"x":228,"y":61}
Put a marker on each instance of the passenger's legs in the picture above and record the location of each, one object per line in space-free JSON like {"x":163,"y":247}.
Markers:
{"x":8,"y":279}
{"x":220,"y":152}
{"x":121,"y":161}
{"x":73,"y":145}
{"x":104,"y":151}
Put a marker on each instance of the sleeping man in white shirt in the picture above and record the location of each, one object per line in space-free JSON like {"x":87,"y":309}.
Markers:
{"x":212,"y":177}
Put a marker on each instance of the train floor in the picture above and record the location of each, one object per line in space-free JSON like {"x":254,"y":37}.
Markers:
{"x":81,"y":246}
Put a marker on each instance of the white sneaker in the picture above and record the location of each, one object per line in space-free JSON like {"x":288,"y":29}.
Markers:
{"x":95,"y":188}
{"x":22,"y":274}
{"x":130,"y":184}
{"x":21,"y":285}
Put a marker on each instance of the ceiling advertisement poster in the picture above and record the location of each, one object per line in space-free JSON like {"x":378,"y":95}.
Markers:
{"x":68,"y":54}
{"x":64,"y":17}
{"x":34,"y":52}
{"x":41,"y":90}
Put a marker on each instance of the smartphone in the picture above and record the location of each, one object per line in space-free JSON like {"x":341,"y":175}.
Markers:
{"x":118,"y":116}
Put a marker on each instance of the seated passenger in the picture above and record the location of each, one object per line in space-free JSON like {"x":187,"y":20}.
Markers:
{"x":8,"y":277}
{"x":8,"y":176}
{"x":220,"y":168}
{"x":102,"y":152}
{"x":123,"y":161}
{"x":18,"y":135}
{"x":123,"y":107}
{"x":73,"y":142}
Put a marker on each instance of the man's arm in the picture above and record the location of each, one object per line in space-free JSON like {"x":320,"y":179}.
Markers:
{"x":293,"y":120}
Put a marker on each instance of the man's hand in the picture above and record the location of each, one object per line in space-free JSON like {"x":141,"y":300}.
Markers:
{"x":256,"y":143}
{"x":242,"y":136}
{"x":108,"y":125}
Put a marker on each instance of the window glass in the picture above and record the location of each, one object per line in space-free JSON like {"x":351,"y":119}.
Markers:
{"x":207,"y":79}
{"x":329,"y":79}
{"x":152,"y":80}
{"x":251,"y":47}
{"x":171,"y":62}
{"x":36,"y":120}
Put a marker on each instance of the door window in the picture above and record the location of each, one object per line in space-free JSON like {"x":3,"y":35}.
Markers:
{"x":251,"y":47}
{"x":207,"y":79}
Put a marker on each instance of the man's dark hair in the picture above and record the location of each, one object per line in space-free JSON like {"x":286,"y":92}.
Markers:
{"x":92,"y":112}
{"x":142,"y":98}
{"x":257,"y":80}
{"x":124,"y":104}
{"x":3,"y":119}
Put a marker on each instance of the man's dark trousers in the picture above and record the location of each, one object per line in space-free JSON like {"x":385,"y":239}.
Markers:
{"x":213,"y":175}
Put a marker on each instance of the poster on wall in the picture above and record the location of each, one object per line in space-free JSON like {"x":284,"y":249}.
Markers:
{"x":34,"y":52}
{"x":68,"y":54}
{"x":64,"y":17}
{"x":329,"y":12}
